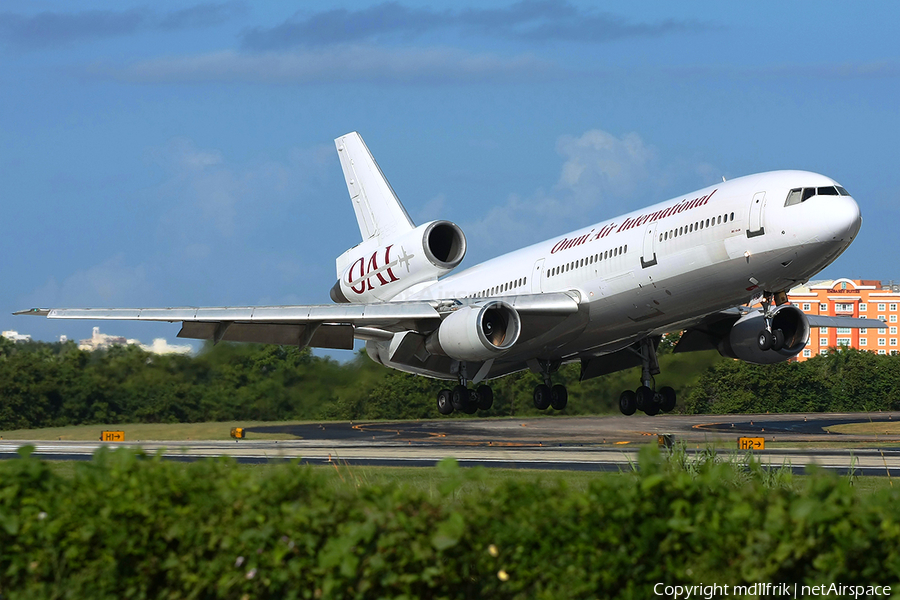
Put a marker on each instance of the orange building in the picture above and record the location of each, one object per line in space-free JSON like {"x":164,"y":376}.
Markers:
{"x":850,"y":298}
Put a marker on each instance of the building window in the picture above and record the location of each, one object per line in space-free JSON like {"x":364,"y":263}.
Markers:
{"x":882,"y":352}
{"x":823,"y":341}
{"x":842,"y":330}
{"x":893,"y":341}
{"x":881,"y":317}
{"x":823,"y":351}
{"x":863,"y":330}
{"x":807,"y":352}
{"x":894,"y":330}
{"x":843,"y":307}
{"x":823,"y":330}
{"x":882,"y":330}
{"x":844,"y":342}
{"x":863,"y":342}
{"x":881,"y":342}
{"x":880,"y":306}
{"x":863,"y":307}
{"x":893,"y":318}
{"x":892,"y":307}
{"x":823,"y":308}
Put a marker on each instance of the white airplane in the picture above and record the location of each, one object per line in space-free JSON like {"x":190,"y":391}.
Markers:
{"x":603,"y":295}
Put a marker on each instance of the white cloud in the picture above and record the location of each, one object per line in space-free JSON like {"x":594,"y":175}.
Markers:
{"x":602,"y":175}
{"x":109,"y":283}
{"x":333,"y":65}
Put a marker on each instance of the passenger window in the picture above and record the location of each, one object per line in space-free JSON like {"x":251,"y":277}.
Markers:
{"x":625,"y":248}
{"x":707,"y":222}
{"x":732,"y":216}
{"x":720,"y":220}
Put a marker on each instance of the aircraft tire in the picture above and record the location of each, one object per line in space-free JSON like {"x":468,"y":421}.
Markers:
{"x":644,"y":397}
{"x":627,"y":403}
{"x":444,"y":406}
{"x":667,"y":399}
{"x":542,"y":396}
{"x":765,"y":339}
{"x":459,"y":398}
{"x":777,"y":339}
{"x":485,"y":397}
{"x":559,"y":397}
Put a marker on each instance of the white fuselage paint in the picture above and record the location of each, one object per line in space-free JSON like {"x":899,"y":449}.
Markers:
{"x":652,"y":280}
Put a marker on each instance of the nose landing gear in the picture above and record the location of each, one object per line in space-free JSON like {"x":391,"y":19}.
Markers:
{"x":646,"y":397}
{"x":768,"y":338}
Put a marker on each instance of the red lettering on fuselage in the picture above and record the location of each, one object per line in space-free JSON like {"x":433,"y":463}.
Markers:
{"x":359,"y":270}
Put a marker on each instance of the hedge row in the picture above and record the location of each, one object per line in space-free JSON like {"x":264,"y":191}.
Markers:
{"x":127,"y":526}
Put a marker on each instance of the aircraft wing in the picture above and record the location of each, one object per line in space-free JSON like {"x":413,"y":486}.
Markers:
{"x":853,"y":322}
{"x":317,"y":325}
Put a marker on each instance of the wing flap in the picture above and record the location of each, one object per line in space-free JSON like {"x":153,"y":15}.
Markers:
{"x":339,"y":337}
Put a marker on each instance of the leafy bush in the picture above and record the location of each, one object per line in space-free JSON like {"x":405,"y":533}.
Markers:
{"x":128,"y":526}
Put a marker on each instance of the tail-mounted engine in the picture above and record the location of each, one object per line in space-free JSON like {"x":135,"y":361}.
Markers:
{"x":476,"y":332}
{"x":370,"y":273}
{"x":743,"y":341}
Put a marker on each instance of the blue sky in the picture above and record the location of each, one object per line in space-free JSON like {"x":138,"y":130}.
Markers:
{"x":167,"y":154}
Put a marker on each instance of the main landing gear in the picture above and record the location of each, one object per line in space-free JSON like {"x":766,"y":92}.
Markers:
{"x":768,"y":338}
{"x":462,"y":399}
{"x":546,"y":394}
{"x":646,"y":398}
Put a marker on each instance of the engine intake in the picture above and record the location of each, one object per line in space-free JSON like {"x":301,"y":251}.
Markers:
{"x":741,"y":342}
{"x":477,"y":332}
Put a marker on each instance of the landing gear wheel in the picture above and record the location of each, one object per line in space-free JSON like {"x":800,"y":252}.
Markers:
{"x":485,"y":397}
{"x":459,"y":398}
{"x":667,"y":399}
{"x":542,"y":396}
{"x":559,"y":397}
{"x":778,"y":339}
{"x":765,"y":339}
{"x":644,"y":397}
{"x":627,"y":402}
{"x":444,"y":406}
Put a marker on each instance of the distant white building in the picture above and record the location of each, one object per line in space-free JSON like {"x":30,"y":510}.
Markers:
{"x":102,"y":341}
{"x":15,"y":336}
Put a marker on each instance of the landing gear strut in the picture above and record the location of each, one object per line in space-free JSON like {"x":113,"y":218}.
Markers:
{"x":646,"y":397}
{"x":462,"y":399}
{"x":768,"y":338}
{"x":546,"y":394}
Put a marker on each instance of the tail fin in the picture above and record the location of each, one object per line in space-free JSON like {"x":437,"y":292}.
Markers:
{"x":378,"y":210}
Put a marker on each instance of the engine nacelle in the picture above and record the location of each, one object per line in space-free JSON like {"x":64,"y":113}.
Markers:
{"x":477,"y":332}
{"x":741,"y":342}
{"x":372,"y":274}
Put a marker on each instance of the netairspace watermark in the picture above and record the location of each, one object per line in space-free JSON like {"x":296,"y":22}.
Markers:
{"x":769,"y":590}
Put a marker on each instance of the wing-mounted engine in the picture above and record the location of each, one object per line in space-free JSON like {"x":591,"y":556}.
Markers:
{"x":476,"y":332}
{"x":378,"y":270}
{"x":743,"y":340}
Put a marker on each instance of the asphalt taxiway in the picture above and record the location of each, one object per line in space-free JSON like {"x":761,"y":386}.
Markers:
{"x":573,"y":443}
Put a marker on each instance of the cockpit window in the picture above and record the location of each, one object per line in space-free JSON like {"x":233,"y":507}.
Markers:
{"x":798,"y":195}
{"x":793,"y":197}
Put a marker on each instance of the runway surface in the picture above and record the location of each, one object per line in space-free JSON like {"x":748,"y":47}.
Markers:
{"x":571,"y":443}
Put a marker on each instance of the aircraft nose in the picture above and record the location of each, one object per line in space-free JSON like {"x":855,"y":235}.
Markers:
{"x":841,"y":214}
